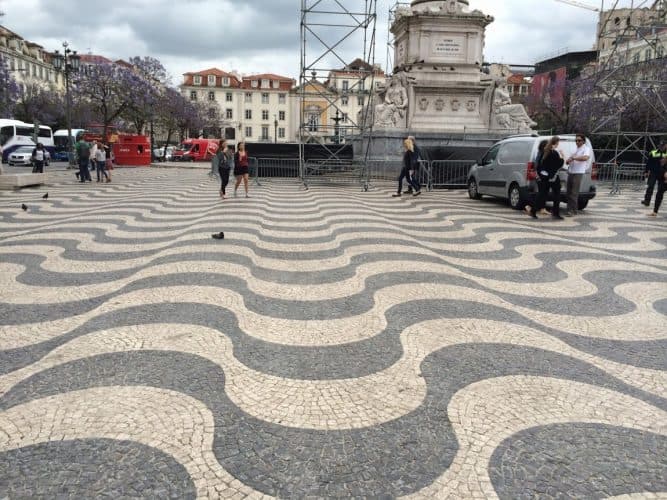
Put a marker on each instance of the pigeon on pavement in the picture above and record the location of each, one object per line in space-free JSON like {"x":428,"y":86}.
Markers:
{"x":24,"y":206}
{"x":46,"y":196}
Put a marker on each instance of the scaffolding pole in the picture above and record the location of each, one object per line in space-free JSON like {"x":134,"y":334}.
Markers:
{"x":332,"y":33}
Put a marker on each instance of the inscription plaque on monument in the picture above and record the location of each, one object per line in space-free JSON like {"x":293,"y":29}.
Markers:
{"x":449,"y":47}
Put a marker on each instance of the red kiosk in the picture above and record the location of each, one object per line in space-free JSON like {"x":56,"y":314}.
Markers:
{"x":132,"y":150}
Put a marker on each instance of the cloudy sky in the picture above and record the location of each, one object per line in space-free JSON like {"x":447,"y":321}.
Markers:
{"x":262,"y":36}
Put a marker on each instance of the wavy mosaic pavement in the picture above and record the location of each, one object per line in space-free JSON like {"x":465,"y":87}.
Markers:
{"x":337,"y":343}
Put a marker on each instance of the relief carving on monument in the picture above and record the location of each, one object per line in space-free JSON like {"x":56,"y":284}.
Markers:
{"x":423,"y":104}
{"x":471,"y":105}
{"x":456,"y":105}
{"x":391,"y":111}
{"x":439,"y":105}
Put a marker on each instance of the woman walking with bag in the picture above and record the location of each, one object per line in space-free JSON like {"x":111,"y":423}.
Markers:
{"x":225,"y":164}
{"x":410,"y":165}
{"x":241,"y":168}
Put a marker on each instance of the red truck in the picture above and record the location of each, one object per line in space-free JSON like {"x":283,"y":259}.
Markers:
{"x":196,"y":150}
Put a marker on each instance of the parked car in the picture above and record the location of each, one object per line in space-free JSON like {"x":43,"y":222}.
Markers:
{"x":22,"y":156}
{"x":508,"y":171}
{"x":164,"y":154}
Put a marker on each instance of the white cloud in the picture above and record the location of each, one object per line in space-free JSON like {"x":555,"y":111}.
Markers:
{"x":263,"y":35}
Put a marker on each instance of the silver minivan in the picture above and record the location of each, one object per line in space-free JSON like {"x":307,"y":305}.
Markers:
{"x":508,"y":171}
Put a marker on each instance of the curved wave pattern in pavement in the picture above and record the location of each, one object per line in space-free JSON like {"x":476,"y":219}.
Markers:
{"x":336,"y":343}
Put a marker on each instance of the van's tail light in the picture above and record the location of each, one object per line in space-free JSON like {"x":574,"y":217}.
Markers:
{"x":594,"y":171}
{"x":531,"y":173}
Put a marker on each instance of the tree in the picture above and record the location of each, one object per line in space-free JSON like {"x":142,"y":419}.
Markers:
{"x":112,"y":90}
{"x":177,"y":114}
{"x":9,"y":90}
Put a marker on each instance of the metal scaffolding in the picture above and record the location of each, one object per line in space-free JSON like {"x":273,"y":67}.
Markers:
{"x":627,"y":84}
{"x":332,"y":33}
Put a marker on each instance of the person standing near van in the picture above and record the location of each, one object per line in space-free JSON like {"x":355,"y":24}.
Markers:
{"x":225,"y":165}
{"x":577,"y":163}
{"x":241,"y":168}
{"x":548,"y":166}
{"x":653,"y":169}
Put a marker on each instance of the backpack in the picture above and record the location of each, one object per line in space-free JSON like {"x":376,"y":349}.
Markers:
{"x":84,"y":151}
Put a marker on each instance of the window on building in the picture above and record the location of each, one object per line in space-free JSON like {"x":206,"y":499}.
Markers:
{"x":648,"y":55}
{"x":248,"y":132}
{"x":225,"y":81}
{"x":281,"y":133}
{"x":211,"y":96}
{"x":265,"y":132}
{"x":211,"y":79}
{"x":265,"y":114}
{"x":248,"y":114}
{"x":523,"y":89}
{"x":193,"y":95}
{"x":197,"y":80}
{"x":343,"y":101}
{"x":229,"y":114}
{"x":212,"y":112}
{"x":282,"y":98}
{"x":281,"y":116}
{"x":635,"y":58}
{"x":265,"y":84}
{"x":265,"y":98}
{"x":254,"y":84}
{"x":276,"y":84}
{"x":345,"y":85}
{"x":248,"y":97}
{"x":660,"y":52}
{"x":313,"y":122}
{"x":41,"y":72}
{"x":360,"y":100}
{"x":345,"y":118}
{"x":362,"y":84}
{"x":228,"y":97}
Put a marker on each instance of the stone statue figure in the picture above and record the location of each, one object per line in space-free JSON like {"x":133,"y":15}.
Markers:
{"x":509,"y":115}
{"x":390,"y":113}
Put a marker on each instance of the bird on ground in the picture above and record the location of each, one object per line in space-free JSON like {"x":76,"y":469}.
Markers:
{"x":24,"y":207}
{"x":46,"y":196}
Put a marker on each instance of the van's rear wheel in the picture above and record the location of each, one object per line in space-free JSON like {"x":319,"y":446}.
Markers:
{"x":473,"y":192}
{"x":514,"y":195}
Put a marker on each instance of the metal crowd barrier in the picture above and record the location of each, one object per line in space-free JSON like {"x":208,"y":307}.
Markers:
{"x":449,"y":173}
{"x":621,"y":176}
{"x":334,"y":170}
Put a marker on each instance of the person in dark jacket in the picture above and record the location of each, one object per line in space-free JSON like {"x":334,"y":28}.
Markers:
{"x":547,"y":171}
{"x":410,"y":166}
{"x":225,"y":164}
{"x":662,"y":187}
{"x":652,"y":170}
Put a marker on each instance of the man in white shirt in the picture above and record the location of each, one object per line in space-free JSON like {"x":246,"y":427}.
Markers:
{"x":577,"y":165}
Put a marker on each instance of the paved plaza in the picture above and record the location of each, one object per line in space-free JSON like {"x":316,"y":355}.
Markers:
{"x":335,"y":344}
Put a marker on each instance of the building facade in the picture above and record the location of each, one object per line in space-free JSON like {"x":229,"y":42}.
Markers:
{"x":253,"y":108}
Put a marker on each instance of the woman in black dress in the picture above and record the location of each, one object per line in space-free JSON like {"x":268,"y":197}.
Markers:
{"x":547,"y":170}
{"x":241,"y":168}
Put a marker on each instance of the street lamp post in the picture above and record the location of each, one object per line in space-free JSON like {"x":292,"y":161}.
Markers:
{"x":337,"y":120}
{"x":67,"y":63}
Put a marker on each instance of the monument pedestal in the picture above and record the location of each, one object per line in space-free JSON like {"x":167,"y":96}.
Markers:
{"x":15,"y":181}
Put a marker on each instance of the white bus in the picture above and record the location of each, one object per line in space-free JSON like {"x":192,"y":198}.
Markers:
{"x":15,"y":133}
{"x":60,"y":142}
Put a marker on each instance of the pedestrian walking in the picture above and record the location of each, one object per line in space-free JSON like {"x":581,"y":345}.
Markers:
{"x":577,"y":165}
{"x":101,"y":162}
{"x":241,"y":168}
{"x":538,"y":159}
{"x":410,"y":164}
{"x":83,"y":155}
{"x":94,"y":147}
{"x":652,"y":170}
{"x":225,"y":165}
{"x":39,"y":156}
{"x":550,"y":163}
{"x":418,"y":156}
{"x":662,"y":187}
